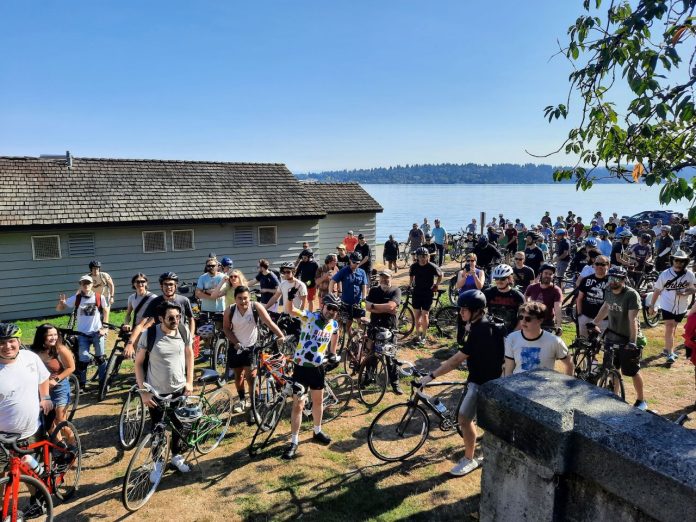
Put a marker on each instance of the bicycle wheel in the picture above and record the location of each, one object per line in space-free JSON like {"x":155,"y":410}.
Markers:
{"x":264,"y":390}
{"x":446,"y":321}
{"x":350,"y":356}
{"x":112,"y":368}
{"x":217,"y":414}
{"x":406,"y":322}
{"x":651,"y":318}
{"x":582,"y":362}
{"x":33,"y":501}
{"x":219,"y":357}
{"x":267,"y":426}
{"x":338,"y":390}
{"x":131,"y":422}
{"x":398,"y":432}
{"x":452,"y":291}
{"x":402,"y":260}
{"x":611,"y":380}
{"x":66,"y":460}
{"x":145,"y":470}
{"x":372,"y":380}
{"x":74,"y":396}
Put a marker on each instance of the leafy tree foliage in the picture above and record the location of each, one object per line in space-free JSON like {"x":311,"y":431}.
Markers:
{"x":647,"y":50}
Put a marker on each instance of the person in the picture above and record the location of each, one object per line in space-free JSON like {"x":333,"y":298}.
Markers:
{"x":599,"y":219}
{"x":232,"y":280}
{"x":560,"y":223}
{"x":318,"y":341}
{"x":440,"y":240}
{"x":342,"y":256}
{"x":603,"y":244}
{"x":610,"y":226}
{"x":663,"y":248}
{"x":619,"y":250}
{"x":511,"y":239}
{"x":690,"y":339}
{"x":87,"y":306}
{"x":207,"y":285}
{"x":471,"y":227}
{"x":531,"y":347}
{"x":291,"y":290}
{"x":590,"y":299}
{"x":164,"y":360}
{"x":523,"y":275}
{"x":483,"y":350}
{"x":588,"y":268}
{"x":657,"y":228}
{"x":486,"y":253}
{"x":24,"y":390}
{"x":363,"y":249}
{"x":306,"y":272}
{"x":425,"y":226}
{"x":562,"y":253}
{"x":430,"y":247}
{"x":102,"y":283}
{"x":226,"y":265}
{"x":391,"y":253}
{"x":548,"y":293}
{"x":240,"y":324}
{"x":623,"y":226}
{"x":676,"y":230}
{"x":533,"y":255}
{"x":382,"y":302}
{"x":470,"y":276}
{"x":60,"y":364}
{"x":640,"y":254}
{"x":424,"y":278}
{"x":546,"y":219}
{"x":354,"y":283}
{"x":673,"y":290}
{"x":621,"y":307}
{"x":305,"y":249}
{"x":503,"y":299}
{"x":579,"y":261}
{"x":325,"y":273}
{"x":267,"y":281}
{"x":350,"y":241}
{"x":415,"y":239}
{"x":137,"y":302}
{"x":492,"y":234}
{"x":578,"y":228}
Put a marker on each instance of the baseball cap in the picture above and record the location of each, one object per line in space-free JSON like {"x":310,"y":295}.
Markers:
{"x":385,"y":272}
{"x":360,"y":236}
{"x":87,"y":278}
{"x":350,"y":232}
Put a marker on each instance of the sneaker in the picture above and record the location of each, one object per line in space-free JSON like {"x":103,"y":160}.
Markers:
{"x":238,"y":407}
{"x":464,"y":467}
{"x":321,"y":438}
{"x":665,"y":353}
{"x":397,"y":389}
{"x":672,"y":357}
{"x":156,"y":473}
{"x":421,"y":341}
{"x":35,"y":509}
{"x":641,"y":405}
{"x":179,"y":463}
{"x":291,"y":452}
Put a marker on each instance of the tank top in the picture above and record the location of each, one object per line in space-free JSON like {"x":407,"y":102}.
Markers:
{"x":244,"y":327}
{"x":54,"y":366}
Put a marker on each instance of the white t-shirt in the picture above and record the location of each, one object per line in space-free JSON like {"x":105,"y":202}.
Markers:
{"x":88,"y":317}
{"x":19,"y":394}
{"x":670,"y":284}
{"x":134,"y":301}
{"x":530,"y":354}
{"x":296,"y":289}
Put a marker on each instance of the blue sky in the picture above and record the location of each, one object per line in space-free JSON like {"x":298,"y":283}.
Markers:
{"x":316,"y":85}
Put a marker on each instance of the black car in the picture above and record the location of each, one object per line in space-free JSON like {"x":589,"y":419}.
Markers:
{"x":653,"y":216}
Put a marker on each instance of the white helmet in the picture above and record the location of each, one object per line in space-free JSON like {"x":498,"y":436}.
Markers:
{"x":501,"y":271}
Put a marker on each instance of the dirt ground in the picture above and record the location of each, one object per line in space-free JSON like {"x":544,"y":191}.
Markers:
{"x":343,"y":481}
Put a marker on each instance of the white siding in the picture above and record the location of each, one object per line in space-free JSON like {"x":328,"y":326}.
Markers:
{"x":334,"y":227}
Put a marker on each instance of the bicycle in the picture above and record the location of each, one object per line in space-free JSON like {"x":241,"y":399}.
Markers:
{"x":400,"y":431}
{"x":147,"y":465}
{"x":113,"y":364}
{"x":442,"y":317}
{"x":372,"y":372}
{"x":209,"y":329}
{"x":26,"y":491}
{"x":69,"y":338}
{"x":270,"y":377}
{"x":403,"y":259}
{"x":587,"y":368}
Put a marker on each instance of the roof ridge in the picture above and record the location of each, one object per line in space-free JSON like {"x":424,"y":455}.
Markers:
{"x":146,"y":160}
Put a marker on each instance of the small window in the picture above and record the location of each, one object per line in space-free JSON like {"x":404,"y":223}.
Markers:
{"x":268,"y":236}
{"x":243,"y":236}
{"x":81,"y":245}
{"x":182,"y":240}
{"x":45,"y":247}
{"x":154,"y":241}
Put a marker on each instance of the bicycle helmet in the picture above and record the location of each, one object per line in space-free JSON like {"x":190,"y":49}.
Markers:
{"x":188,"y":413}
{"x":617,"y":271}
{"x":9,"y":331}
{"x":307,"y":252}
{"x":288,"y":265}
{"x":356,"y":257}
{"x":591,"y":242}
{"x":547,"y":266}
{"x":472,"y":300}
{"x":94,"y":264}
{"x":422,"y":251}
{"x":331,"y":300}
{"x":603,"y":233}
{"x":227,"y":262}
{"x":501,"y":271}
{"x":665,"y":228}
{"x":626,"y":234}
{"x":646,"y":237}
{"x":680,"y":254}
{"x":428,"y":236}
{"x":168,"y":276}
{"x":561,"y":232}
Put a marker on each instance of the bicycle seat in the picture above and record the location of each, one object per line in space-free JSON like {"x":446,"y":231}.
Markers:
{"x":208,"y":376}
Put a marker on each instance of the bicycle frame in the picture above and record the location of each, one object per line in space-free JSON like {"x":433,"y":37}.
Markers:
{"x":196,"y":433}
{"x":18,"y":467}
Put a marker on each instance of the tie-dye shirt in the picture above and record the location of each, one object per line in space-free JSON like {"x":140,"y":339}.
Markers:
{"x":315,"y":338}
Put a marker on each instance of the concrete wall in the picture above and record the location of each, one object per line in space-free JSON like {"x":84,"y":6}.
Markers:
{"x":30,"y":288}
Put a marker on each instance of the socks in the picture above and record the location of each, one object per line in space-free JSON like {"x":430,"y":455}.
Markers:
{"x":295,"y":438}
{"x":241,"y":394}
{"x":317,"y":429}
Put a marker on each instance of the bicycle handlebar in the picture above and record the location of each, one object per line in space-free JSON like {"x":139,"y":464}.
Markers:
{"x":164,"y":398}
{"x":12,"y":442}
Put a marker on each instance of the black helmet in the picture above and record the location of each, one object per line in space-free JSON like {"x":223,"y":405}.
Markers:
{"x":422,"y":251}
{"x":287,"y":265}
{"x":617,"y":271}
{"x":10,"y":331}
{"x":168,"y":276}
{"x":331,"y":300}
{"x":94,"y":264}
{"x":472,"y":300}
{"x":547,"y":266}
{"x":482,"y":240}
{"x":646,"y":237}
{"x":355,"y":257}
{"x":428,"y":236}
{"x":307,"y":252}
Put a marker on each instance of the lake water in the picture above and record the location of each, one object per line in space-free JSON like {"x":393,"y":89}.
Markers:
{"x":456,"y":205}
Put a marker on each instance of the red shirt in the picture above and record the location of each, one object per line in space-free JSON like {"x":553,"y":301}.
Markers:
{"x":350,"y":243}
{"x":578,"y":228}
{"x":549,"y":296}
{"x":689,"y":333}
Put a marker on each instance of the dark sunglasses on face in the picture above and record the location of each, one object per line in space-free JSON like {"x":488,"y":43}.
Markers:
{"x":210,"y":266}
{"x":519,"y":259}
{"x":601,"y":264}
{"x":526,"y":318}
{"x":286,"y":271}
{"x":173,"y":318}
{"x":331,"y":308}
{"x":141,"y":282}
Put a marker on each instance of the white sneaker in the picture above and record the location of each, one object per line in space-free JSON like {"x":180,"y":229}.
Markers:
{"x":179,"y":463}
{"x":156,"y":473}
{"x":238,"y":407}
{"x":464,"y":467}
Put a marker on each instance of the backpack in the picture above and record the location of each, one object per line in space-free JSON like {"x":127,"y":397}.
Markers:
{"x":76,"y":307}
{"x":151,"y":336}
{"x":233,"y":309}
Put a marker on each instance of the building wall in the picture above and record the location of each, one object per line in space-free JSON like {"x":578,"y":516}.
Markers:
{"x":30,"y":288}
{"x":334,"y":227}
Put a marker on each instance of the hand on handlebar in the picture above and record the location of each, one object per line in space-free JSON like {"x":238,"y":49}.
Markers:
{"x":148,"y":399}
{"x":425,"y":380}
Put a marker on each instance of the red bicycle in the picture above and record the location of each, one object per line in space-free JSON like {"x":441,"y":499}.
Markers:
{"x":37,"y":471}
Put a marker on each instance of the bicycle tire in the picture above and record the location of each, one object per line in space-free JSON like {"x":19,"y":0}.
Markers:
{"x":264,"y":390}
{"x":406,"y":321}
{"x":59,"y":461}
{"x":452,"y":291}
{"x":112,"y":368}
{"x":219,"y":411}
{"x":138,"y":477}
{"x":582,"y":363}
{"x":267,"y":427}
{"x":400,"y":422}
{"x":338,"y":390}
{"x":350,"y":356}
{"x":372,"y":380}
{"x":446,"y":321}
{"x":218,"y":362}
{"x":608,"y":380}
{"x":39,"y":489}
{"x":131,"y":421}
{"x":74,"y":396}
{"x":651,"y":319}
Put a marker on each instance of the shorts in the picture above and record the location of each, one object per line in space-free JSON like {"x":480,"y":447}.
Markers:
{"x":422,"y":301}
{"x":36,"y":437}
{"x":60,"y":393}
{"x":468,"y":406}
{"x":390,"y":257}
{"x":311,"y":293}
{"x":669,"y":316}
{"x":311,"y":377}
{"x":239,"y":360}
{"x":628,"y":361}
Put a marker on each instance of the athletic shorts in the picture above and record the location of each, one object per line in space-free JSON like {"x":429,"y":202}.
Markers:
{"x":311,"y":377}
{"x":669,"y":316}
{"x":628,"y":361}
{"x":311,"y":293}
{"x":239,"y":360}
{"x":422,"y":301}
{"x":468,"y":406}
{"x":60,"y":393}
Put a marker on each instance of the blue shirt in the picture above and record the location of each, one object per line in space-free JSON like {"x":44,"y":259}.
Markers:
{"x":439,"y":235}
{"x":621,"y":229}
{"x":208,"y":282}
{"x":604,"y":247}
{"x":352,"y":283}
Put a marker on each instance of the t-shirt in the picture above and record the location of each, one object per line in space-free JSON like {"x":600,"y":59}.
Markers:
{"x":324,"y":285}
{"x":504,"y":305}
{"x":315,"y":337}
{"x":424,"y":277}
{"x":415,"y":237}
{"x":549,"y":296}
{"x":563,"y":248}
{"x":351,"y":284}
{"x":617,"y":251}
{"x":610,"y":227}
{"x":379,"y":296}
{"x":166,"y":370}
{"x":485,"y":351}
{"x":425,"y":227}
{"x":350,"y":242}
{"x":88,"y":317}
{"x":523,"y":276}
{"x":593,"y":289}
{"x":364,"y":250}
{"x":578,"y":228}
{"x":267,"y":282}
{"x":671,"y":283}
{"x":439,"y":235}
{"x":432,"y":250}
{"x":134,"y":301}
{"x":306,"y":272}
{"x":293,"y":292}
{"x":618,"y":329}
{"x":641,"y":253}
{"x":530,"y":354}
{"x":677,"y":230}
{"x":663,"y":243}
{"x":101,"y":285}
{"x":604,"y":246}
{"x":533,"y":258}
{"x":19,"y":394}
{"x":391,"y":250}
{"x":208,"y":282}
{"x":181,"y":300}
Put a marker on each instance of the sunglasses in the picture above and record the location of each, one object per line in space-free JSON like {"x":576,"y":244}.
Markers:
{"x":85,"y":283}
{"x":234,"y":277}
{"x":173,"y":318}
{"x":210,"y":266}
{"x":331,"y":308}
{"x":526,"y":318}
{"x":140,"y":282}
{"x":601,"y":264}
{"x":503,"y":279}
{"x":286,"y":271}
{"x":519,"y":259}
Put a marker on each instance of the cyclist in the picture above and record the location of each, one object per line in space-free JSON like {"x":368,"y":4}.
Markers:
{"x":430,"y":246}
{"x":562,"y":254}
{"x":546,"y":219}
{"x":363,"y":249}
{"x":641,"y":254}
{"x":354,"y":283}
{"x":424,"y":278}
{"x":522,"y":274}
{"x":325,"y":273}
{"x":623,"y":226}
{"x":619,"y":251}
{"x":471,"y":227}
{"x":391,"y":252}
{"x":503,"y":299}
{"x":591,"y":291}
{"x":165,"y":361}
{"x":208,"y":282}
{"x":342,"y":256}
{"x":137,"y":302}
{"x":673,"y":289}
{"x":227,"y":264}
{"x":548,"y":293}
{"x":578,"y":228}
{"x":318,"y":341}
{"x":267,"y":280}
{"x":425,"y":226}
{"x":511,"y":238}
{"x":470,"y":277}
{"x":599,"y":218}
{"x":533,"y":255}
{"x":87,"y":305}
{"x":676,"y":231}
{"x":350,"y":241}
{"x":292,"y":290}
{"x":604,"y":245}
{"x":663,"y":248}
{"x":440,"y":240}
{"x":102,"y":282}
{"x":531,"y":347}
{"x":306,"y":272}
{"x":621,"y":307}
{"x":486,"y":253}
{"x":610,"y":226}
{"x":415,"y":239}
{"x":482,"y":349}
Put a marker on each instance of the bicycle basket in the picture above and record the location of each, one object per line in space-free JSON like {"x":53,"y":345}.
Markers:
{"x":206,"y":331}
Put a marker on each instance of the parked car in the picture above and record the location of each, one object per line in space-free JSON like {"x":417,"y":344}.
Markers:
{"x":653,"y":216}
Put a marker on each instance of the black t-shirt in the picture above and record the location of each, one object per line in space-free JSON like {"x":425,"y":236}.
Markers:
{"x":181,"y":300}
{"x":343,"y":260}
{"x":594,"y":289}
{"x":562,"y":247}
{"x":610,"y":227}
{"x":365,"y":252}
{"x":677,"y":230}
{"x":486,"y":255}
{"x":617,"y":249}
{"x":523,"y":276}
{"x":424,"y":277}
{"x":486,"y":352}
{"x":533,"y":258}
{"x":432,"y":250}
{"x":391,"y":249}
{"x":267,"y":282}
{"x":504,"y":305}
{"x":378,"y":296}
{"x":306,"y":272}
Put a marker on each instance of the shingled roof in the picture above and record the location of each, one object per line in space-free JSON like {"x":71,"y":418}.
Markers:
{"x":342,"y":198}
{"x":37,"y":192}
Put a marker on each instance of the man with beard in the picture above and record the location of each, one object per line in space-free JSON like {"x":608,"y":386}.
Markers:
{"x":503,"y":300}
{"x":533,"y":255}
{"x":546,"y":292}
